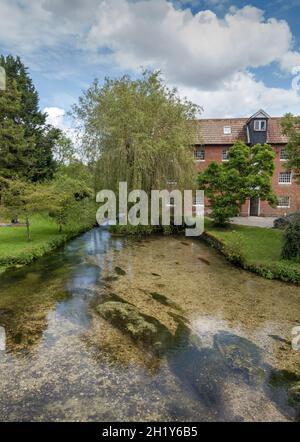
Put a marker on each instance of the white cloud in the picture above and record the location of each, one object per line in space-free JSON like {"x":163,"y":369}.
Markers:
{"x":242,"y":96}
{"x":28,"y":26}
{"x":56,"y":116}
{"x":199,"y":50}
{"x":207,"y":57}
{"x":195,"y":50}
{"x":290,"y":60}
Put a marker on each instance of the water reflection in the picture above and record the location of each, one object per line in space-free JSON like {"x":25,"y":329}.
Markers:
{"x":61,"y":360}
{"x":2,"y":339}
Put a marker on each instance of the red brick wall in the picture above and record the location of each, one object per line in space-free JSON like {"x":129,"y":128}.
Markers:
{"x":214,"y":153}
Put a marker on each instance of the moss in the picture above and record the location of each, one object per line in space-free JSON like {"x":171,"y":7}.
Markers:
{"x":120,"y":271}
{"x":141,"y":328}
{"x":162,"y":299}
{"x":116,"y":298}
{"x":289,"y":381}
{"x":241,"y":355}
{"x":110,"y":278}
{"x":178,"y":318}
{"x":283,"y":378}
{"x":294,"y":394}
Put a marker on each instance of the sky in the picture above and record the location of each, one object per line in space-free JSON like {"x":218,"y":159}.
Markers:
{"x":230,"y":57}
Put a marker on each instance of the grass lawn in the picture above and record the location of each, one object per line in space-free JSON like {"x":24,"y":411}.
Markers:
{"x":13,"y":240}
{"x":258,"y":245}
{"x":15,"y":249}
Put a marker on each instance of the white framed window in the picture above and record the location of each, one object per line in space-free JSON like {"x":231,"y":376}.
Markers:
{"x":285,"y":178}
{"x":171,"y":182}
{"x":260,"y":125}
{"x":284,"y":202}
{"x":227,"y":130}
{"x":199,"y":154}
{"x":198,"y":200}
{"x":225,"y":154}
{"x":283,"y":154}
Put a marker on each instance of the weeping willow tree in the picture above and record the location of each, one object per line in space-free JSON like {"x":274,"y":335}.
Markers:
{"x":138,"y":131}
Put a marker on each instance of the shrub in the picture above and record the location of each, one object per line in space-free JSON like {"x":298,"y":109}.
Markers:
{"x":140,"y":230}
{"x":291,"y":246}
{"x":132,"y":230}
{"x":284,"y":221}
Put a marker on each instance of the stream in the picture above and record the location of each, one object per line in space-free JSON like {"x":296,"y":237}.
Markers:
{"x":222,"y":349}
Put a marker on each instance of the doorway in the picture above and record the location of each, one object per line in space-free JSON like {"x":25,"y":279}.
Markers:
{"x":254,"y":206}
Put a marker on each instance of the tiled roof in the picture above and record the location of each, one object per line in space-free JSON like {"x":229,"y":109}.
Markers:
{"x":211,"y":131}
{"x":275,"y":133}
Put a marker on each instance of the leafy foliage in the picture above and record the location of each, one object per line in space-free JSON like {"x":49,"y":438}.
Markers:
{"x":15,"y":148}
{"x":26,"y":141}
{"x":67,"y":200}
{"x":246,"y":174}
{"x":291,"y":246}
{"x":137,"y":131}
{"x":291,"y":128}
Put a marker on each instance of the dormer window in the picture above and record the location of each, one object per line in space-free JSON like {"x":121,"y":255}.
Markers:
{"x":260,"y":125}
{"x":227,"y":130}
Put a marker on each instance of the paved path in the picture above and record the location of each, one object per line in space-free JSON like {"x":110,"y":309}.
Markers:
{"x":12,"y":225}
{"x":254,"y":221}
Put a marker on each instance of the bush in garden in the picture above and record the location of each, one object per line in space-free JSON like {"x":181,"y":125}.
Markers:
{"x":291,"y":245}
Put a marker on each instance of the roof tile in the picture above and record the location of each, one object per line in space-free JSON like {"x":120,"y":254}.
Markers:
{"x":211,"y":131}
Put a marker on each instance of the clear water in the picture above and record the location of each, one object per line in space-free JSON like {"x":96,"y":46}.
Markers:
{"x":59,"y":360}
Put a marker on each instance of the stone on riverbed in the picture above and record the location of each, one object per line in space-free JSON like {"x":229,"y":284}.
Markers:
{"x":162,"y":299}
{"x":294,"y":395}
{"x":240,"y":355}
{"x":119,"y":271}
{"x":141,"y":328}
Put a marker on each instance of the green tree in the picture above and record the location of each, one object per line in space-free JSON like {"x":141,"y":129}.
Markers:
{"x":18,"y":201}
{"x":246,"y":174}
{"x":137,"y":131}
{"x":69,"y":201}
{"x":65,"y":199}
{"x":64,"y":149}
{"x":291,"y":128}
{"x":27,"y":115}
{"x":15,"y":147}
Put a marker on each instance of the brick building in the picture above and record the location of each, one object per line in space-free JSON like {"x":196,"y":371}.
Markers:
{"x":214,"y":139}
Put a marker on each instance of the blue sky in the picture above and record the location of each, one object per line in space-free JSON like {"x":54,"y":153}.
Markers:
{"x":231,"y":57}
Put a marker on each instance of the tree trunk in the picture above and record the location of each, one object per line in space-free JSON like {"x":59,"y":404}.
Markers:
{"x":28,"y":229}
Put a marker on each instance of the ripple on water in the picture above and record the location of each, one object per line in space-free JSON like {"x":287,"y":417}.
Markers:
{"x":230,"y":332}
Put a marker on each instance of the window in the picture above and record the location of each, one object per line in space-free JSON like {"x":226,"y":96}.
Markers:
{"x":225,"y":155}
{"x":227,"y":130}
{"x":260,"y":125}
{"x":284,"y":201}
{"x":285,"y":177}
{"x":199,"y":200}
{"x":171,"y":182}
{"x":283,"y":154}
{"x":199,"y":155}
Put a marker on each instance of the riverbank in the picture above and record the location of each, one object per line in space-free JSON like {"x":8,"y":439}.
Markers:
{"x":61,"y":360}
{"x":252,"y":248}
{"x":255,"y":249}
{"x":16,"y":250}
